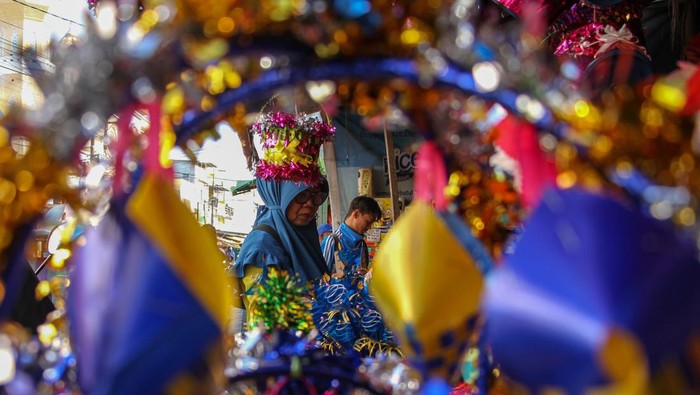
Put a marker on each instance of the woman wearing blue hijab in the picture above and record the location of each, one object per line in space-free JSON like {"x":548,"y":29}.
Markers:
{"x":290,"y":183}
{"x":290,"y":210}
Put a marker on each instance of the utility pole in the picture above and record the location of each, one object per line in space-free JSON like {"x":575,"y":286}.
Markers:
{"x":92,"y":149}
{"x":391,"y":172}
{"x":212,"y":198}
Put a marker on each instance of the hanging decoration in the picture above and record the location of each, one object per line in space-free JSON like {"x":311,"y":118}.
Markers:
{"x":587,"y":301}
{"x":432,"y":317}
{"x":291,"y":145}
{"x":281,"y":302}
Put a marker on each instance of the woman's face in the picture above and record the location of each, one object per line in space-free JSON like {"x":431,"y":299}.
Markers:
{"x":303,"y":208}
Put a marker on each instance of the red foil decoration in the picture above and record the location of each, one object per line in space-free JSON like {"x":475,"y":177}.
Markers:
{"x":574,"y":32}
{"x":574,"y":24}
{"x":549,"y":8}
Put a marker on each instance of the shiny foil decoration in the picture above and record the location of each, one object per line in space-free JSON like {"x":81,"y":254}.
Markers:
{"x":551,"y":8}
{"x":280,"y":302}
{"x":489,"y":204}
{"x":27,"y":182}
{"x":637,"y":147}
{"x":291,"y":146}
{"x":427,"y":288}
{"x":574,"y":31}
{"x":344,"y":27}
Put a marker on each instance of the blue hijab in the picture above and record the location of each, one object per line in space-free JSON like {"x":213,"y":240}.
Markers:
{"x":302,"y":252}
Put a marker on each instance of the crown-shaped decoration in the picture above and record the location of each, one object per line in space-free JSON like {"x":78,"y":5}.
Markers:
{"x":291,"y":145}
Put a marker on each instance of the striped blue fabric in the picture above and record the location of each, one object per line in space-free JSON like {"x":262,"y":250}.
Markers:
{"x":351,"y":247}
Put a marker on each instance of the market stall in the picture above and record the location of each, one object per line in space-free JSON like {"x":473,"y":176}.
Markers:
{"x":551,"y":242}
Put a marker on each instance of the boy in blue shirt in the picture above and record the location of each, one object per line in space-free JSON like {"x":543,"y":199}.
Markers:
{"x":348,"y":240}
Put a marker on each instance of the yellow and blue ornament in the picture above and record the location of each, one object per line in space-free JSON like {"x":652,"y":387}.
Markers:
{"x":427,"y":287}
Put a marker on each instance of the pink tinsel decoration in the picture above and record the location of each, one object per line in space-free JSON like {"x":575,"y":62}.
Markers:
{"x":310,"y":133}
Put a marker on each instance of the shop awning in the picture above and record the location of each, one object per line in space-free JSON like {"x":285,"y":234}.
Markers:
{"x":243,"y":187}
{"x":233,"y":239}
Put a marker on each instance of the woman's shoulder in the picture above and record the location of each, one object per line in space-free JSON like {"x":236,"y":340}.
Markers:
{"x":267,"y":237}
{"x":260,"y":249}
{"x":260,"y":241}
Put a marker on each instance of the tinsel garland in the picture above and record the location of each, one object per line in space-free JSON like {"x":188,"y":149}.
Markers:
{"x":281,"y":302}
{"x":291,"y":145}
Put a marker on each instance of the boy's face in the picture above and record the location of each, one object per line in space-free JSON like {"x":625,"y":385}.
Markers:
{"x":360,"y":222}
